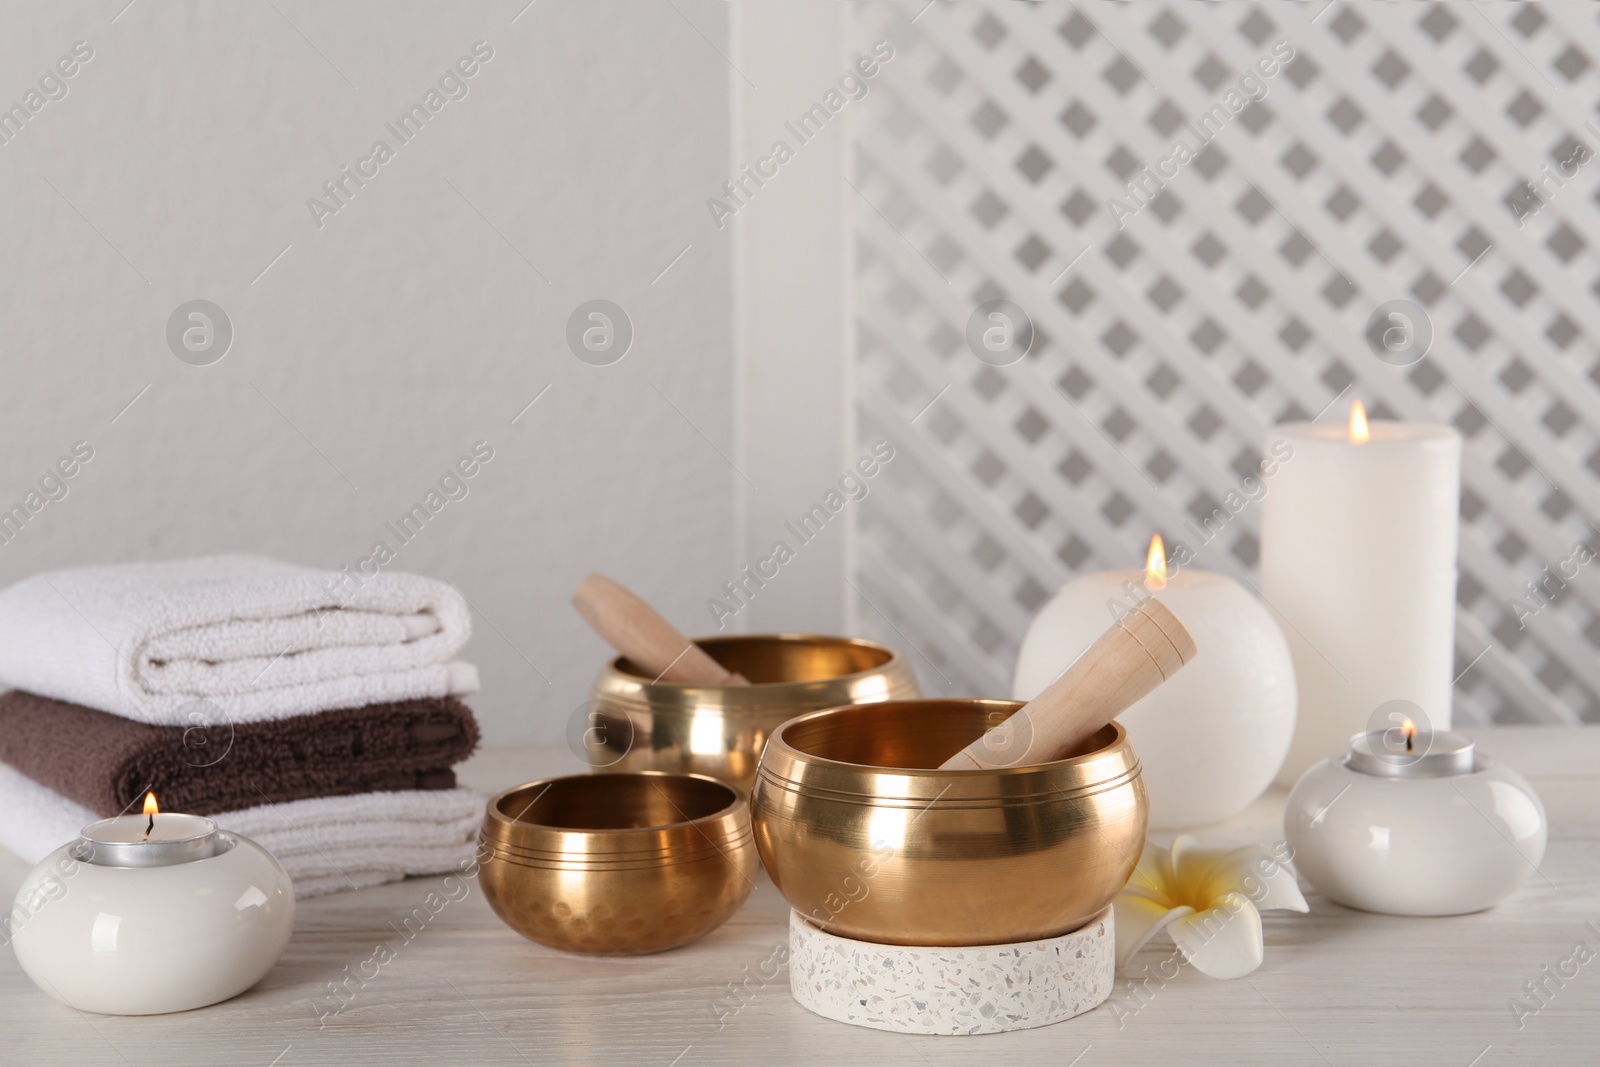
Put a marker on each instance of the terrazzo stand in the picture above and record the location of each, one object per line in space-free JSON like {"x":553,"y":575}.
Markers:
{"x":988,"y":989}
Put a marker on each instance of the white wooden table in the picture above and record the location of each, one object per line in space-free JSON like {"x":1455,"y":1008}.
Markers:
{"x":1338,"y":987}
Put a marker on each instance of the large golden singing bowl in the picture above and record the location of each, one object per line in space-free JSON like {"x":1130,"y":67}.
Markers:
{"x":635,"y":723}
{"x":617,"y":864}
{"x":864,"y":836}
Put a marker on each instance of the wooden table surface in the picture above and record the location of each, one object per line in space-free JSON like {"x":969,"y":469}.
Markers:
{"x":1338,"y":987}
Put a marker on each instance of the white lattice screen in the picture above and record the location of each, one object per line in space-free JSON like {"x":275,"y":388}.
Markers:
{"x":1385,"y":162}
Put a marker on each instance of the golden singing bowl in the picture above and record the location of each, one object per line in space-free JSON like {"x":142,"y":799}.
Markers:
{"x":864,"y":836}
{"x":635,"y":723}
{"x":617,"y":864}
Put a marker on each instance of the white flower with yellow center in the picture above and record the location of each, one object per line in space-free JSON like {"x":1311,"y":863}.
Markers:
{"x":1208,"y":900}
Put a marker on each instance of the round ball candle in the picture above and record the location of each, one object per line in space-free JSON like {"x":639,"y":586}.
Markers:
{"x":1358,"y":558}
{"x":1212,"y":737}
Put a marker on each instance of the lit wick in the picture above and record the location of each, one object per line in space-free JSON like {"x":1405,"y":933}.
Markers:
{"x":150,"y":810}
{"x":1408,"y":730}
{"x":1155,"y":567}
{"x":1360,"y":432}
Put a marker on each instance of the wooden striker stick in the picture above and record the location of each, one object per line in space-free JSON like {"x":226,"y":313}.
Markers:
{"x":1141,"y":650}
{"x":638,"y":631}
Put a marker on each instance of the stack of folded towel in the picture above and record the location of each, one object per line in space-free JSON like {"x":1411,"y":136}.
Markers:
{"x":315,"y":712}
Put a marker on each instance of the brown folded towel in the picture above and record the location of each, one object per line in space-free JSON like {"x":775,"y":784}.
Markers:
{"x":106,"y":762}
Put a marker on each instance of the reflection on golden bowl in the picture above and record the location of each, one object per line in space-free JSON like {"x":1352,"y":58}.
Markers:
{"x":863,"y":835}
{"x":637,"y":724}
{"x":617,"y":864}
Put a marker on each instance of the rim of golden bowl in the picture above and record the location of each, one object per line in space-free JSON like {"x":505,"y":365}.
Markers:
{"x":622,"y":684}
{"x":1107,"y":767}
{"x":684,"y":836}
{"x":710,"y":839}
{"x":600,"y":864}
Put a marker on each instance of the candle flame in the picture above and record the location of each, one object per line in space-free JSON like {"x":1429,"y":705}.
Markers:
{"x":150,"y":806}
{"x":1155,"y":565}
{"x":1408,"y":730}
{"x":1360,"y":432}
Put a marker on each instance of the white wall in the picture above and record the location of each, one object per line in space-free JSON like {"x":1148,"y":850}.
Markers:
{"x":792,"y":254}
{"x":179,"y":165}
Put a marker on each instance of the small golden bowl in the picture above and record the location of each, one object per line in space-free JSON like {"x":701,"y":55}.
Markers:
{"x":617,"y":864}
{"x":866,"y":837}
{"x":636,"y":724}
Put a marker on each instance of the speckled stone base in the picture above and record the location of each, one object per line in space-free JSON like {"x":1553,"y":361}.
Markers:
{"x":989,"y":989}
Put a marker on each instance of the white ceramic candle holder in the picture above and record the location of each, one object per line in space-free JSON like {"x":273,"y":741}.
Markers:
{"x":989,"y":989}
{"x":116,"y":924}
{"x":1436,"y":829}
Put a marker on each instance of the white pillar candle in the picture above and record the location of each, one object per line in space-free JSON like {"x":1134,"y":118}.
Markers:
{"x":1211,"y":737}
{"x":1358,"y":559}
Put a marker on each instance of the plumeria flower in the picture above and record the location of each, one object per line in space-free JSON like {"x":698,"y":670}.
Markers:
{"x":1208,"y":899}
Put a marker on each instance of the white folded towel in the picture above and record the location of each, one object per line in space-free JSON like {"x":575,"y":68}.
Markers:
{"x":326,"y":844}
{"x":258,"y":638}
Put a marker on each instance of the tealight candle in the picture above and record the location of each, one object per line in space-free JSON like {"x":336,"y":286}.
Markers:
{"x":1409,"y":822}
{"x":152,"y":913}
{"x":1401,"y":754}
{"x":142,"y":841}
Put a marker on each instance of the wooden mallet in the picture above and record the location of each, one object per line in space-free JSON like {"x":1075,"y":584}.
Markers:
{"x":1141,"y":650}
{"x":650,"y":642}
